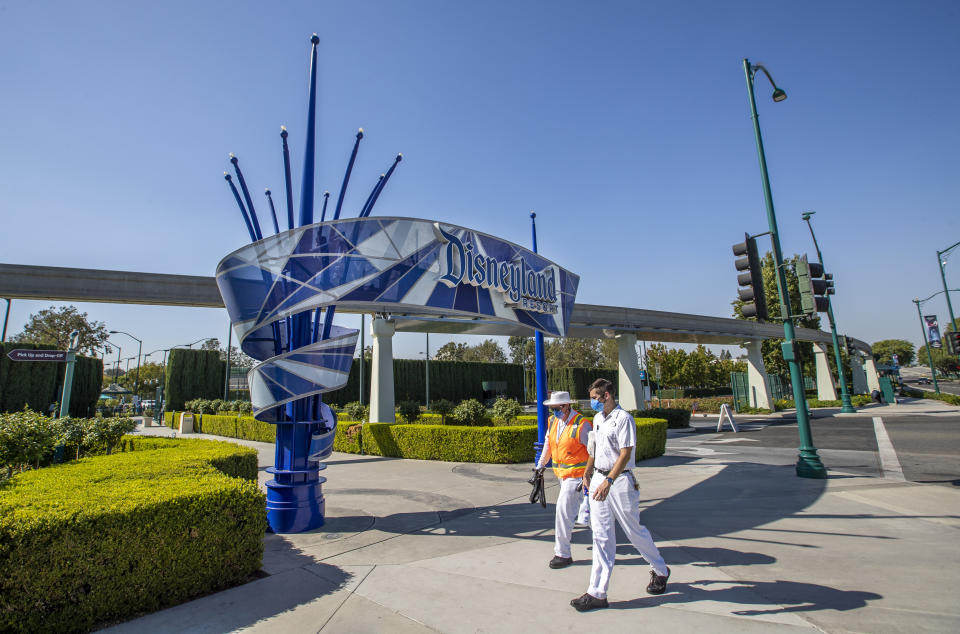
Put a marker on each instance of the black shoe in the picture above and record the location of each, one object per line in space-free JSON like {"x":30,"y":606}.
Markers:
{"x":658,"y":583}
{"x":588,"y":602}
{"x":560,"y":562}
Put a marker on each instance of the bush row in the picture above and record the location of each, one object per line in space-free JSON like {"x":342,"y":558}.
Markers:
{"x":857,"y":400}
{"x":193,"y":374}
{"x":109,"y":537}
{"x":217,"y":406}
{"x":952,"y":399}
{"x":505,"y":444}
{"x":32,"y":440}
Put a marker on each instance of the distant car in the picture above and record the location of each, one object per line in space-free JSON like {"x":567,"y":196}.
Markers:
{"x":923,"y":380}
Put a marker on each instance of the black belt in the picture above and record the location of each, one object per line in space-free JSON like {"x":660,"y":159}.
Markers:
{"x":607,"y":472}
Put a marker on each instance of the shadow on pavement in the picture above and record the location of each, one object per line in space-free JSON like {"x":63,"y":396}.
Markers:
{"x":783,"y":596}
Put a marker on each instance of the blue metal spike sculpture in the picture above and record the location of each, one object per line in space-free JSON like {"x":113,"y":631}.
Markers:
{"x":263,"y":286}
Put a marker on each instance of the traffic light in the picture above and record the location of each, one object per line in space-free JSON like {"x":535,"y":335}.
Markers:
{"x":814,"y":286}
{"x":847,"y":345}
{"x":755,"y":302}
{"x":952,"y":340}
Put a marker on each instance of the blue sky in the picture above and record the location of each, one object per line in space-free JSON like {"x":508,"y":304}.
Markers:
{"x":624,"y":125}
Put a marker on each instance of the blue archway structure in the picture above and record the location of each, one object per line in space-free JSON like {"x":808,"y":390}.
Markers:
{"x":282,"y":291}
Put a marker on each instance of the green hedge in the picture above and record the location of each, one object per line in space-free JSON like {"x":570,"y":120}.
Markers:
{"x":37,"y":384}
{"x":575,"y":381}
{"x":193,"y":374}
{"x":110,"y":537}
{"x":676,"y":418}
{"x":452,"y":443}
{"x":246,"y":427}
{"x":952,"y":399}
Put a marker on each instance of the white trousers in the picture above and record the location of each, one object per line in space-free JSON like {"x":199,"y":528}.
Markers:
{"x":622,"y":505}
{"x":568,"y":504}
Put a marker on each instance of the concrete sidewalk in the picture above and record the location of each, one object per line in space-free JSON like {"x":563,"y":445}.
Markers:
{"x":417,"y":546}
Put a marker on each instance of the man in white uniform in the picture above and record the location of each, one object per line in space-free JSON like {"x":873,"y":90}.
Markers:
{"x":614,"y":497}
{"x":566,"y":445}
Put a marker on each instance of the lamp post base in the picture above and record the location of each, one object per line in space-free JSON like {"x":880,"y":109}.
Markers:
{"x":809,"y":466}
{"x":295,"y":508}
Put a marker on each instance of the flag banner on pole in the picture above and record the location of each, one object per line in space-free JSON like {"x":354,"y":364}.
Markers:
{"x":933,"y":331}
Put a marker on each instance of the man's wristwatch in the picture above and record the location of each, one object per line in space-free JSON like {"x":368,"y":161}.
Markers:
{"x":609,"y":479}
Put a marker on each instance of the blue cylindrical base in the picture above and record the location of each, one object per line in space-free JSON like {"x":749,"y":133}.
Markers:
{"x":294,"y":508}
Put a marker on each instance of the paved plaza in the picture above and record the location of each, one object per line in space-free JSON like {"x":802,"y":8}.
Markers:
{"x":418,"y":546}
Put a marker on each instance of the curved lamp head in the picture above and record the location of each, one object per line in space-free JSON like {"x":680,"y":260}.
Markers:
{"x":806,"y":215}
{"x":778,"y":94}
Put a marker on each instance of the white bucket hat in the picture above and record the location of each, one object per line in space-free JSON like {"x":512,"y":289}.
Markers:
{"x":559,"y":398}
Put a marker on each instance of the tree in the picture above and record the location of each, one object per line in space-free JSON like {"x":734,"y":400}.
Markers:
{"x":696,"y":367}
{"x":772,"y":352}
{"x":451,"y":351}
{"x":571,"y":352}
{"x":489,"y":351}
{"x":521,"y":350}
{"x":943,"y":361}
{"x":666,"y":364}
{"x":884,"y":350}
{"x":53,"y":326}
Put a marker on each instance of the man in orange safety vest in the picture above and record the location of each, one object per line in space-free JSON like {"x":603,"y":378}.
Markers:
{"x":566,"y":445}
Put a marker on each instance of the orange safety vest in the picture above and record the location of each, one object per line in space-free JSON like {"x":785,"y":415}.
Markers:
{"x":569,"y":455}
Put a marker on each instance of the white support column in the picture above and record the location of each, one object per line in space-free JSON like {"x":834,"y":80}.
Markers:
{"x":873,"y":379}
{"x":757,"y":377}
{"x":631,"y":391}
{"x":381,"y":376}
{"x":826,"y":390}
{"x":859,"y":376}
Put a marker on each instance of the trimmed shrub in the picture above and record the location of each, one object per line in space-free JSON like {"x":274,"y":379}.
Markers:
{"x":952,"y":399}
{"x":704,"y":405}
{"x":676,"y":418}
{"x":193,"y":374}
{"x":109,"y":537}
{"x":357,"y":411}
{"x":506,"y":410}
{"x":245,"y":427}
{"x":442,"y":408}
{"x":409,"y":411}
{"x":651,"y":437}
{"x":470,"y":412}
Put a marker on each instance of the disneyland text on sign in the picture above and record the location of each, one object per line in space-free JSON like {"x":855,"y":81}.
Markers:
{"x":521,"y":285}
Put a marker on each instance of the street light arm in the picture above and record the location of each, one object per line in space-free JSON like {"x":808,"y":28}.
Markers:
{"x":919,"y":301}
{"x":755,"y":67}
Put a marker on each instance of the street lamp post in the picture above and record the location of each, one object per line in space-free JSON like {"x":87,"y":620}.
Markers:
{"x":941,"y":255}
{"x":923,"y":329}
{"x":846,"y":405}
{"x":6,"y":317}
{"x":136,"y":383}
{"x":427,"y":371}
{"x":808,"y":462}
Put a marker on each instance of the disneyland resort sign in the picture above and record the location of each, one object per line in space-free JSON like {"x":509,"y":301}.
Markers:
{"x":520,"y":285}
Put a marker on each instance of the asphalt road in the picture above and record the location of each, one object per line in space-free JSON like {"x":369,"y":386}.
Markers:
{"x":948,"y":387}
{"x":927,"y":447}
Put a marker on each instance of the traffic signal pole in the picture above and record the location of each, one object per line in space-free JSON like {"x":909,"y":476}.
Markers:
{"x":926,"y":344}
{"x":808,"y":462}
{"x":846,"y":405}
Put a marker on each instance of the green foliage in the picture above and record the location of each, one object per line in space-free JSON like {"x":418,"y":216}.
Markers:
{"x":884,"y":350}
{"x":704,"y":405}
{"x":357,"y":411}
{"x":52,"y":326}
{"x":245,"y":427}
{"x":193,"y":374}
{"x":451,"y":380}
{"x":772,"y":353}
{"x":575,"y":381}
{"x":943,"y":361}
{"x":488,"y":351}
{"x":470,"y":412}
{"x":409,"y":411}
{"x":37,"y":384}
{"x":443,"y":408}
{"x":29,"y":439}
{"x":110,"y":537}
{"x":676,"y":418}
{"x":651,"y":437}
{"x":506,"y":410}
{"x":952,"y":399}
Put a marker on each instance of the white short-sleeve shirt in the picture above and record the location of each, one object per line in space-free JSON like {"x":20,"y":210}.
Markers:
{"x":613,"y":433}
